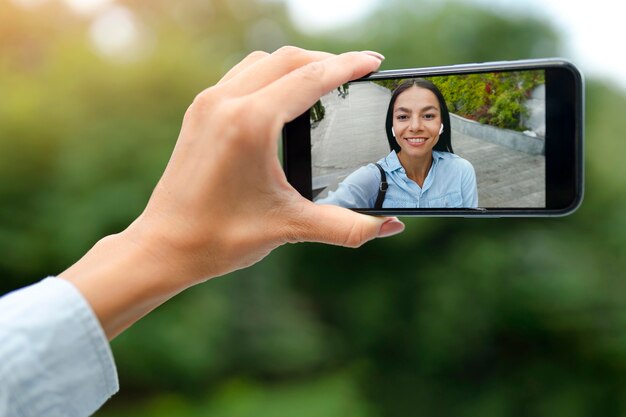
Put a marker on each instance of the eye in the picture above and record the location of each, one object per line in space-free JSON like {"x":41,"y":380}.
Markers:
{"x":429,"y":116}
{"x":401,"y":117}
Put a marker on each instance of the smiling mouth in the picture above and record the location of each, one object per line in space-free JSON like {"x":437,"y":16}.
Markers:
{"x":416,"y":141}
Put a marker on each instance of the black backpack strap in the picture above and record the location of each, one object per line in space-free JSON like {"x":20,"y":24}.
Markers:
{"x":382,"y":189}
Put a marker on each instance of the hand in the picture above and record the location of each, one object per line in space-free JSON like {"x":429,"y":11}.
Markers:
{"x":223,"y":202}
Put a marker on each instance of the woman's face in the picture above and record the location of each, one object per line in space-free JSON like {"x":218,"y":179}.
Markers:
{"x":416,"y":121}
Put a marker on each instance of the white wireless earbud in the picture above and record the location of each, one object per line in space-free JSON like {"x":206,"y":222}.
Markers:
{"x":441,"y":129}
{"x":394,"y":133}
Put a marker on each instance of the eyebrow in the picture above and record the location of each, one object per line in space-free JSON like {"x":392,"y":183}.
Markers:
{"x":405,"y":110}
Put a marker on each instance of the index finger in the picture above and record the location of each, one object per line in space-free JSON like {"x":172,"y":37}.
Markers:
{"x":295,"y":92}
{"x":272,"y":68}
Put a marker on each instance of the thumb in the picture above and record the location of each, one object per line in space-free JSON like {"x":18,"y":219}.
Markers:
{"x":339,"y":226}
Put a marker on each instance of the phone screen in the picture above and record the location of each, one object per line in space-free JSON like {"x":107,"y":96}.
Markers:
{"x":486,"y":139}
{"x":455,"y":141}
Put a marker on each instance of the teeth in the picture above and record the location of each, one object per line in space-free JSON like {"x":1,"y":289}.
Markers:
{"x":412,"y":140}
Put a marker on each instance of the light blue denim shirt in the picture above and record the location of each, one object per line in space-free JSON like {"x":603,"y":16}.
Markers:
{"x":55,"y":360}
{"x":450,"y":183}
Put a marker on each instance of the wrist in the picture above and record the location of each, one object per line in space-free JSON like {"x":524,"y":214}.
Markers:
{"x":122,"y":281}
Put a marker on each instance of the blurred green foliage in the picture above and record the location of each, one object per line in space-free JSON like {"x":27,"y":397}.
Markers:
{"x":454,"y":317}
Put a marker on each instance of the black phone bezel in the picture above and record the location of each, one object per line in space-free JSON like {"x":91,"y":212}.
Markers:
{"x":563,"y":148}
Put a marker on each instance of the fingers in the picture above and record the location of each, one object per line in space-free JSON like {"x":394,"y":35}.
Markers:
{"x":248,"y":61}
{"x":302,"y":87}
{"x":262,"y":72}
{"x":339,"y":226}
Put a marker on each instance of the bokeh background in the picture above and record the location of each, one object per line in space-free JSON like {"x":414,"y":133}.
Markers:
{"x":464,"y":317}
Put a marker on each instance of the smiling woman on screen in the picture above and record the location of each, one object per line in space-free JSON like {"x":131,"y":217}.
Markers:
{"x":421,"y":171}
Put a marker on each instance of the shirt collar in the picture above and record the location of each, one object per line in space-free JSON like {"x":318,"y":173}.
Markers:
{"x":391,"y":162}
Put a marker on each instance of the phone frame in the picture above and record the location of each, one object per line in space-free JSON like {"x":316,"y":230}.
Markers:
{"x":564,"y":147}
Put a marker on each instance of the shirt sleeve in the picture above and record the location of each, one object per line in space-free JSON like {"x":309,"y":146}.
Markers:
{"x":358,"y":190}
{"x":55,"y":359}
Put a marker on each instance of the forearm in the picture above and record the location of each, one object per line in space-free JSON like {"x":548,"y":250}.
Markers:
{"x":123,"y":281}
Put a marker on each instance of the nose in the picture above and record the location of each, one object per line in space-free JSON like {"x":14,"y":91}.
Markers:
{"x":415,"y":124}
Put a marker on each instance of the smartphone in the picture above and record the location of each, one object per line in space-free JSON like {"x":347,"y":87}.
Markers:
{"x":490,"y":139}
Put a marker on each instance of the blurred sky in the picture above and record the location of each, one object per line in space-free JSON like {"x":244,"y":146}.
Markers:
{"x":594,"y":32}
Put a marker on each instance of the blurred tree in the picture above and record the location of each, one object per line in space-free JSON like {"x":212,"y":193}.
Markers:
{"x":81,"y":133}
{"x":426,"y":33}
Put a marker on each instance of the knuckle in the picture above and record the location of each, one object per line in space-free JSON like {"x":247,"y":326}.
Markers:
{"x":257,"y":55}
{"x":227,"y":111}
{"x":291,"y":235}
{"x":312,"y":72}
{"x":225,"y":123}
{"x":310,"y":78}
{"x":188,"y":113}
{"x":289,"y":51}
{"x":231,"y":115}
{"x":204,"y":100}
{"x":356,"y":237}
{"x":209,"y":99}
